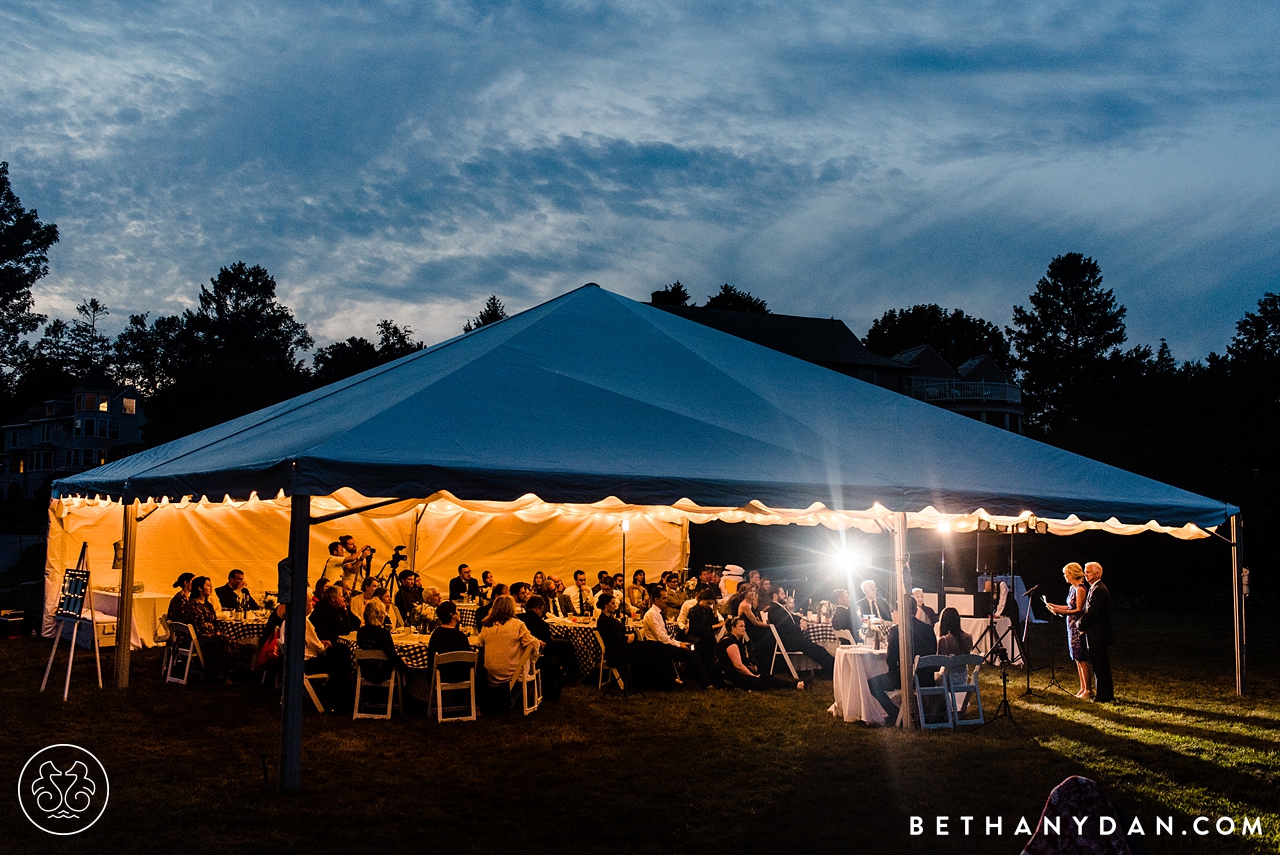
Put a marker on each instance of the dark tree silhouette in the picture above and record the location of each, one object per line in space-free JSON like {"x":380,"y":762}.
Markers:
{"x":24,"y":259}
{"x":1068,"y":341}
{"x":671,"y":295}
{"x":729,"y":297}
{"x":492,"y":312}
{"x":347,"y":358}
{"x":956,"y":336}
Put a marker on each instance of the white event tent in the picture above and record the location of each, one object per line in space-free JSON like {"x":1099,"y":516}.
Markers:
{"x":525,"y":443}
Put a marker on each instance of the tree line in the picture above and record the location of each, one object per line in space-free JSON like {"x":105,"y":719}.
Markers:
{"x":1204,"y":425}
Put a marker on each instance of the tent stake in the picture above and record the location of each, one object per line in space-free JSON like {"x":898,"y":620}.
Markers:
{"x":1238,"y":598}
{"x":295,"y":641}
{"x":124,"y":607}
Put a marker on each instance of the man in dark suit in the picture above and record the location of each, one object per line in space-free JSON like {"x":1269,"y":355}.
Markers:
{"x":793,"y":638}
{"x":557,"y":663}
{"x":872,"y":605}
{"x":923,"y":643}
{"x":1095,"y":623}
{"x":234,"y":595}
{"x":844,"y":617}
{"x":463,"y":586}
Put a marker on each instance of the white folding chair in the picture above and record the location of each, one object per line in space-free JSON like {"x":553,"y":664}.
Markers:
{"x":438,"y":687}
{"x":845,"y":636}
{"x":964,"y":682}
{"x":530,"y":680}
{"x":184,"y":648}
{"x":940,"y":691}
{"x":801,"y":658}
{"x":308,"y":682}
{"x":391,"y":684}
{"x":603,"y":668}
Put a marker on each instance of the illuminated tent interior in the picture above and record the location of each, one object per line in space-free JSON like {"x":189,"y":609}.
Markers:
{"x":523,"y":444}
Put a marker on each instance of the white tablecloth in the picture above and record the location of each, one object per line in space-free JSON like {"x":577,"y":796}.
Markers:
{"x":854,"y":667}
{"x":147,"y":609}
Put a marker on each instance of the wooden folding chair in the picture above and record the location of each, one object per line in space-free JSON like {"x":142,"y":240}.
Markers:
{"x":183,"y":650}
{"x":439,"y":687}
{"x":845,"y":636}
{"x":308,"y":683}
{"x":940,"y":691}
{"x":391,"y":684}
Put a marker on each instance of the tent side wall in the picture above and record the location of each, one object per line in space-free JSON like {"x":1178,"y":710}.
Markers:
{"x":210,"y":539}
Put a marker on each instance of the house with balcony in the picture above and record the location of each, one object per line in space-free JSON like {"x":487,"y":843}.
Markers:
{"x":91,"y":426}
{"x":979,"y":388}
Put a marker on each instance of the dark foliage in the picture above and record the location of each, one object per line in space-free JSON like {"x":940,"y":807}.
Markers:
{"x":671,"y":295}
{"x":24,"y":259}
{"x":729,"y":297}
{"x":347,"y":358}
{"x":956,"y":336}
{"x":492,"y":312}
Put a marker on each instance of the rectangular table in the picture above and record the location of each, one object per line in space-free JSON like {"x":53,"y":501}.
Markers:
{"x":855,"y":665}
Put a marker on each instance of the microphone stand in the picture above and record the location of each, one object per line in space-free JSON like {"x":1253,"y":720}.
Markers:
{"x":1026,"y":658}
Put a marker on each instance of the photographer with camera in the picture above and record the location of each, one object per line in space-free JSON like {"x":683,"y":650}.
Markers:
{"x":356,"y":563}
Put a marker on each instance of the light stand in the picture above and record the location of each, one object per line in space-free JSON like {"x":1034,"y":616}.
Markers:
{"x":1053,"y":670}
{"x":944,"y":528}
{"x":1026,"y":658}
{"x":1004,"y":710}
{"x":626,"y":526}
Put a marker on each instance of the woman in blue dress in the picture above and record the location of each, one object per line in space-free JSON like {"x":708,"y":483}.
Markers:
{"x":1074,"y":574}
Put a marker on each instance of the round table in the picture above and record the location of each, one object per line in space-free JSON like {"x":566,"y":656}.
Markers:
{"x":241,"y":631}
{"x":855,"y":665}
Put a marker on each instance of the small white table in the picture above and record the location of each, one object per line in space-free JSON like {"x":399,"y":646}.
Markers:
{"x":147,"y":609}
{"x":855,"y":665}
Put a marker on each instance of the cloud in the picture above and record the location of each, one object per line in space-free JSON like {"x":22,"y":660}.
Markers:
{"x":406,"y":160}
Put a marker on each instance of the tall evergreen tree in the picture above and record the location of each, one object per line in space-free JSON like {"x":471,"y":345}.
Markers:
{"x":1066,"y":342}
{"x":955,"y":335}
{"x":736,"y":300}
{"x":24,"y":259}
{"x":492,"y":312}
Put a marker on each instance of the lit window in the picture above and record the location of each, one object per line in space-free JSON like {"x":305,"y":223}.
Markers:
{"x":102,"y":457}
{"x":129,"y":406}
{"x":104,"y":403}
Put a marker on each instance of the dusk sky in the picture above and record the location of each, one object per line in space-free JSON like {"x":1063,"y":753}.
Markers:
{"x":405,"y":160}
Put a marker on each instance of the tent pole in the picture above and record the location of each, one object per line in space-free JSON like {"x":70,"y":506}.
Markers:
{"x":294,"y":644}
{"x":906,"y":656}
{"x":124,"y":608}
{"x":1238,"y":598}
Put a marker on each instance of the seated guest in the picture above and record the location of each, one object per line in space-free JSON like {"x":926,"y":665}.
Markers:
{"x":322,"y":585}
{"x":737,"y":665}
{"x":234,"y":596}
{"x":620,"y":585}
{"x":322,"y":657}
{"x":682,"y":619}
{"x":463,"y":587}
{"x":676,"y":596}
{"x":758,"y":634}
{"x":793,"y":638}
{"x":395,"y":620}
{"x":373,"y":635}
{"x":929,"y":616}
{"x":923,"y":643}
{"x":331,"y":618}
{"x":558,"y":663}
{"x":600,"y":577}
{"x":606,"y":587}
{"x":952,"y":640}
{"x":409,"y":597}
{"x":448,"y":638}
{"x":636,"y":593}
{"x":844,"y":617}
{"x":703,"y":624}
{"x":178,"y":605}
{"x":504,"y":641}
{"x":539,"y":579}
{"x":613,"y":632}
{"x":580,"y":596}
{"x":872,"y":605}
{"x":735,"y":598}
{"x":367,"y":593}
{"x":214,"y":646}
{"x":482,"y":611}
{"x":558,"y":603}
{"x":520,"y":593}
{"x":655,"y":629}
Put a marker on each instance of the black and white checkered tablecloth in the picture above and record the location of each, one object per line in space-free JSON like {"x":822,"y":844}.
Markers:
{"x":411,"y":649}
{"x":586,"y":650}
{"x":820,"y":633}
{"x":241,"y":632}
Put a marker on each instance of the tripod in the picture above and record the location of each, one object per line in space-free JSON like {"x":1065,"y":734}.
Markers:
{"x":1053,"y":671}
{"x":1026,"y":657}
{"x":1004,"y":710}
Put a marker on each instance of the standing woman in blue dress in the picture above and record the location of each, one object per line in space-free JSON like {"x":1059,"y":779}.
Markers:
{"x":1074,"y":574}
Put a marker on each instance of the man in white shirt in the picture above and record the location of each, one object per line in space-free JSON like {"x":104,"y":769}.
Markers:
{"x":580,"y":597}
{"x":655,"y":630}
{"x":323,"y":657}
{"x":333,"y":563}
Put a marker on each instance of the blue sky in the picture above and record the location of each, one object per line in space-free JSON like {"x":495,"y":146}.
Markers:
{"x":405,"y":160}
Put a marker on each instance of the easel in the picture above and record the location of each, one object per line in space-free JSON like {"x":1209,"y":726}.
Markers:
{"x":76,"y":592}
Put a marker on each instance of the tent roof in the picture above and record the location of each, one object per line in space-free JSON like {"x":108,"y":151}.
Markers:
{"x":592,"y":395}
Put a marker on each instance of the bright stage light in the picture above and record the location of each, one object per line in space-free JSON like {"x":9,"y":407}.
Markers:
{"x":626,"y":525}
{"x":848,"y":561}
{"x":944,"y":526}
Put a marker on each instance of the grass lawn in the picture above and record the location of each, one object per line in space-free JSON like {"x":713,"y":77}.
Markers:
{"x":685,"y":771}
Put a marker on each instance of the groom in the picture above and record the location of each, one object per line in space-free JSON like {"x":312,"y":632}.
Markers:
{"x":1095,"y":623}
